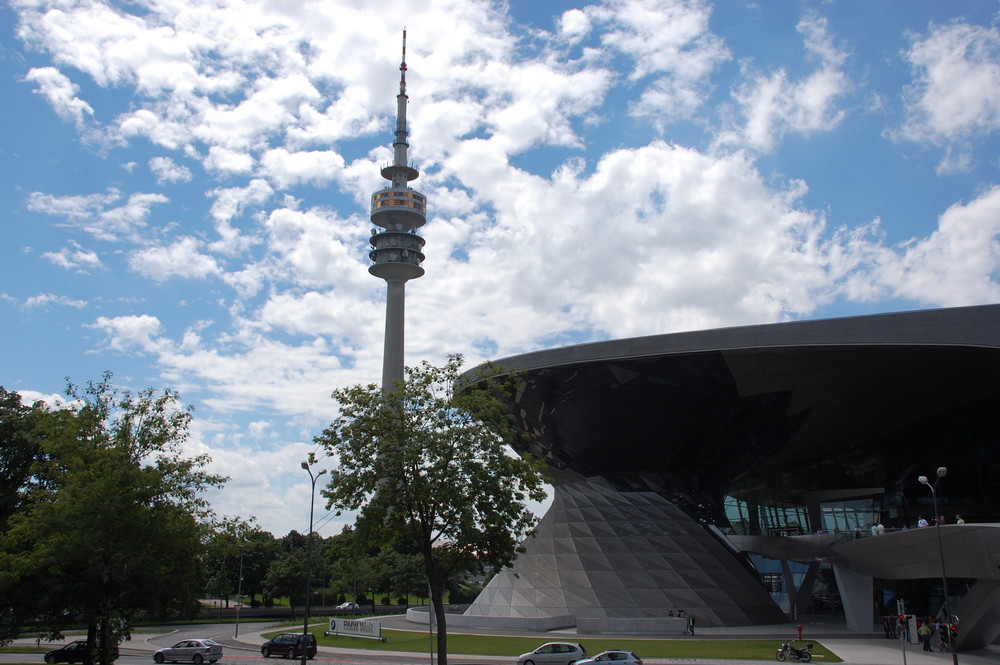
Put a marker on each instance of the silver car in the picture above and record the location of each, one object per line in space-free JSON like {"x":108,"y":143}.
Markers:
{"x":193,"y":651}
{"x":615,"y":657}
{"x":553,"y":653}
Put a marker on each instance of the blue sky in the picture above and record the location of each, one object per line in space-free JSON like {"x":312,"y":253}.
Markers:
{"x":185,"y":188}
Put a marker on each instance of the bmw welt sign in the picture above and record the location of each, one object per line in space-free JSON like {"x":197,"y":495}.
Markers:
{"x":371,"y":630}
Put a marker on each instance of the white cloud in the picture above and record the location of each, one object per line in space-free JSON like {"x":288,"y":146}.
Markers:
{"x":76,"y":258}
{"x":226,"y":161}
{"x":229,"y":203}
{"x":168,"y":171}
{"x":573,"y":25}
{"x":770,"y":105}
{"x":670,"y":40}
{"x":45,"y":299}
{"x":286,"y":169}
{"x":957,"y":89}
{"x":61,"y":93}
{"x":97,"y":215}
{"x":180,"y":259}
{"x":131,"y":332}
{"x":52,"y":400}
{"x":955,"y":94}
{"x":957,"y":264}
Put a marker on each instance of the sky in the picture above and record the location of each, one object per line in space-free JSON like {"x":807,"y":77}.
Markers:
{"x":185,"y":188}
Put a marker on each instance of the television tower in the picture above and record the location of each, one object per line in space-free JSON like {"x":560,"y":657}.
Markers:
{"x":397,"y":211}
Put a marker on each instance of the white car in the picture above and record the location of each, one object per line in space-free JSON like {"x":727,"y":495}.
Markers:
{"x":348,"y":606}
{"x":615,"y":657}
{"x":553,"y":653}
{"x":191,"y":651}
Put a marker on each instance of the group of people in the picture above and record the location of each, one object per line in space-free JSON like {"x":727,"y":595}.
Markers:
{"x":927,"y":628}
{"x":893,"y":627}
{"x":922,"y":521}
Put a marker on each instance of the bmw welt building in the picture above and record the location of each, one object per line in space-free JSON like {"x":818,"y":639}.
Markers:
{"x":741,"y":475}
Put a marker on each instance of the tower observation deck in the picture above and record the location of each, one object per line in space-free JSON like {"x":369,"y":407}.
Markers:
{"x":397,"y":211}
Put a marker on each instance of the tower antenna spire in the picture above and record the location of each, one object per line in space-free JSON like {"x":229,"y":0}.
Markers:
{"x":402,"y":67}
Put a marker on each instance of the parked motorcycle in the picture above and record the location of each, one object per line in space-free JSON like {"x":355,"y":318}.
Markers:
{"x":799,"y":655}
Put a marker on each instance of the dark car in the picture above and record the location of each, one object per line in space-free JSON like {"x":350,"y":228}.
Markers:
{"x":74,"y":652}
{"x":289,"y":645}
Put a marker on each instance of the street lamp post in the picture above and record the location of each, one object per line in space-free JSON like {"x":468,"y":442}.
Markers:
{"x":941,"y":471}
{"x":239,"y":594}
{"x":309,"y":559}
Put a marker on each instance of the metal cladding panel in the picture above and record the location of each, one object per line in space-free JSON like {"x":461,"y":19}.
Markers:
{"x":641,"y":582}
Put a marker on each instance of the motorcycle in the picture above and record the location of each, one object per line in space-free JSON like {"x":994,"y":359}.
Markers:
{"x":800,"y":655}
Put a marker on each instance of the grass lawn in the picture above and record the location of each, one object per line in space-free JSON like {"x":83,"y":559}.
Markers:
{"x":490,"y":645}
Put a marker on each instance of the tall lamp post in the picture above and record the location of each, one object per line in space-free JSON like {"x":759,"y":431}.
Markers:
{"x":309,"y":559}
{"x":941,"y":471}
{"x":239,"y":594}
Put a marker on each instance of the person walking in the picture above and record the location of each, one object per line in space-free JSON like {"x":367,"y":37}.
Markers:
{"x":691,"y":624}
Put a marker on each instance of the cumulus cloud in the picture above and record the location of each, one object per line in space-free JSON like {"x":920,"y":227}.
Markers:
{"x":180,"y":259}
{"x":573,"y":25}
{"x":669,"y":40}
{"x":286,"y":169}
{"x":98,"y":214}
{"x":167,"y":170}
{"x":955,"y":94}
{"x":74,"y":258}
{"x":957,"y":264}
{"x":228,"y":162}
{"x":133,"y":332}
{"x":52,"y":400}
{"x":771,"y":105}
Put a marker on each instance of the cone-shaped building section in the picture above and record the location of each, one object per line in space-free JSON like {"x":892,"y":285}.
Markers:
{"x":396,"y":250}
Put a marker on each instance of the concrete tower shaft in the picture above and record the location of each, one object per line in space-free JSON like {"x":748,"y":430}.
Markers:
{"x":396,"y":249}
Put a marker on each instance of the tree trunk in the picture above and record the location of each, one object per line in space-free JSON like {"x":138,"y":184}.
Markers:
{"x":92,"y":646}
{"x":437,"y":606}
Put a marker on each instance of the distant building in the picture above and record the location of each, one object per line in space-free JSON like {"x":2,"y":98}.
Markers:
{"x":728,"y":471}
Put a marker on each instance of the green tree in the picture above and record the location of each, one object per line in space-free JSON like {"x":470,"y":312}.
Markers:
{"x":352,"y":568}
{"x":286,"y":572}
{"x":260,"y":548}
{"x":19,"y":442}
{"x":113,"y":521}
{"x":238,"y":547}
{"x":432,"y":462}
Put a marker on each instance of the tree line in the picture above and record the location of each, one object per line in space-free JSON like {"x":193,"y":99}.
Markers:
{"x":103,"y":521}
